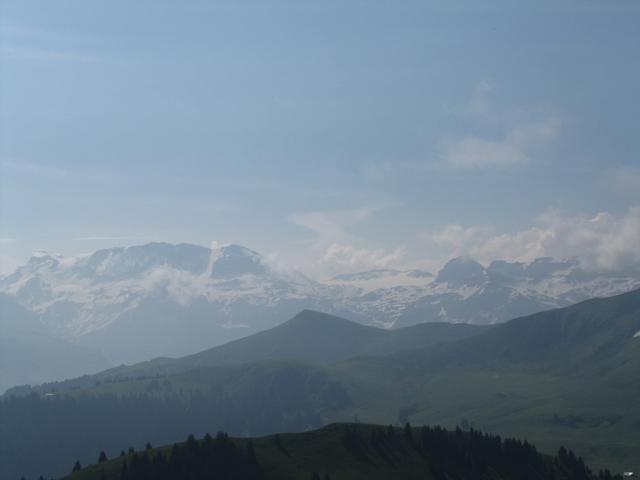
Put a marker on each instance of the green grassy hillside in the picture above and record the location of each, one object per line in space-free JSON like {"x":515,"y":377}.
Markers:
{"x":568,"y":376}
{"x":582,"y":339}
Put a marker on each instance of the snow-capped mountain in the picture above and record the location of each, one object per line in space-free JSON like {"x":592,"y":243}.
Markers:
{"x":161,"y":299}
{"x":77,"y":296}
{"x":465,"y":291}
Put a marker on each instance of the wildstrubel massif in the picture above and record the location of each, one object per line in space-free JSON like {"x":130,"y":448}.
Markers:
{"x":161,"y":299}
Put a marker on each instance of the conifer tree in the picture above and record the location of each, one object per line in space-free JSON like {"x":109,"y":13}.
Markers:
{"x":391,"y":433}
{"x":251,"y":453}
{"x":192,"y":444}
{"x":124,"y":472}
{"x":408,"y":432}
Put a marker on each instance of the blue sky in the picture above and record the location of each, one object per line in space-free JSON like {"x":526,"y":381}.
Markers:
{"x":331,"y":136}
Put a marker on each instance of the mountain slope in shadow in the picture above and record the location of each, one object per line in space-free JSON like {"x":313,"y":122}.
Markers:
{"x":312,"y":337}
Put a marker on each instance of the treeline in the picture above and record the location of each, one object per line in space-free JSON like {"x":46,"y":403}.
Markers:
{"x":42,"y":435}
{"x":471,"y":455}
{"x":218,"y":458}
{"x":433,"y":453}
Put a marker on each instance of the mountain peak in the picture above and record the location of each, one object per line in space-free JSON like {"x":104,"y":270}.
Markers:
{"x":544,"y":267}
{"x":40,"y":257}
{"x":123,"y":262}
{"x":309,"y":317}
{"x":502,"y":269}
{"x":461,"y":270}
{"x":234,"y":260}
{"x":126,"y":262}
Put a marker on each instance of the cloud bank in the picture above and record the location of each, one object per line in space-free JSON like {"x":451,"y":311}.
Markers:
{"x":601,"y":242}
{"x":336,"y":249}
{"x":347,"y":258}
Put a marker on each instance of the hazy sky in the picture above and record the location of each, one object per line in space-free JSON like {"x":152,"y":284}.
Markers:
{"x":329,"y":135}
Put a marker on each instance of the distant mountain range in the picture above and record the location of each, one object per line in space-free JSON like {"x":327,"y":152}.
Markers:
{"x":161,"y":299}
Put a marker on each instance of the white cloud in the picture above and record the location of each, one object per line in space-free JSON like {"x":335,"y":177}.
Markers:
{"x":514,"y":146}
{"x":331,"y":226}
{"x":528,"y":135}
{"x":603,"y":241}
{"x":8,"y":264}
{"x":479,"y":105}
{"x":335,"y":249}
{"x":347,"y":258}
{"x":474,"y":152}
{"x":483,"y":243}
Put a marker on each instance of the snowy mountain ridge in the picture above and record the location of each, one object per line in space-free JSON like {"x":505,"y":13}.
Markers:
{"x":185,"y":297}
{"x":103,"y":285}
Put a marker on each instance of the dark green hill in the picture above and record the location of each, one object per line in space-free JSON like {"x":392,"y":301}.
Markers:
{"x":345,"y":452}
{"x":310,"y":336}
{"x":317,"y":337}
